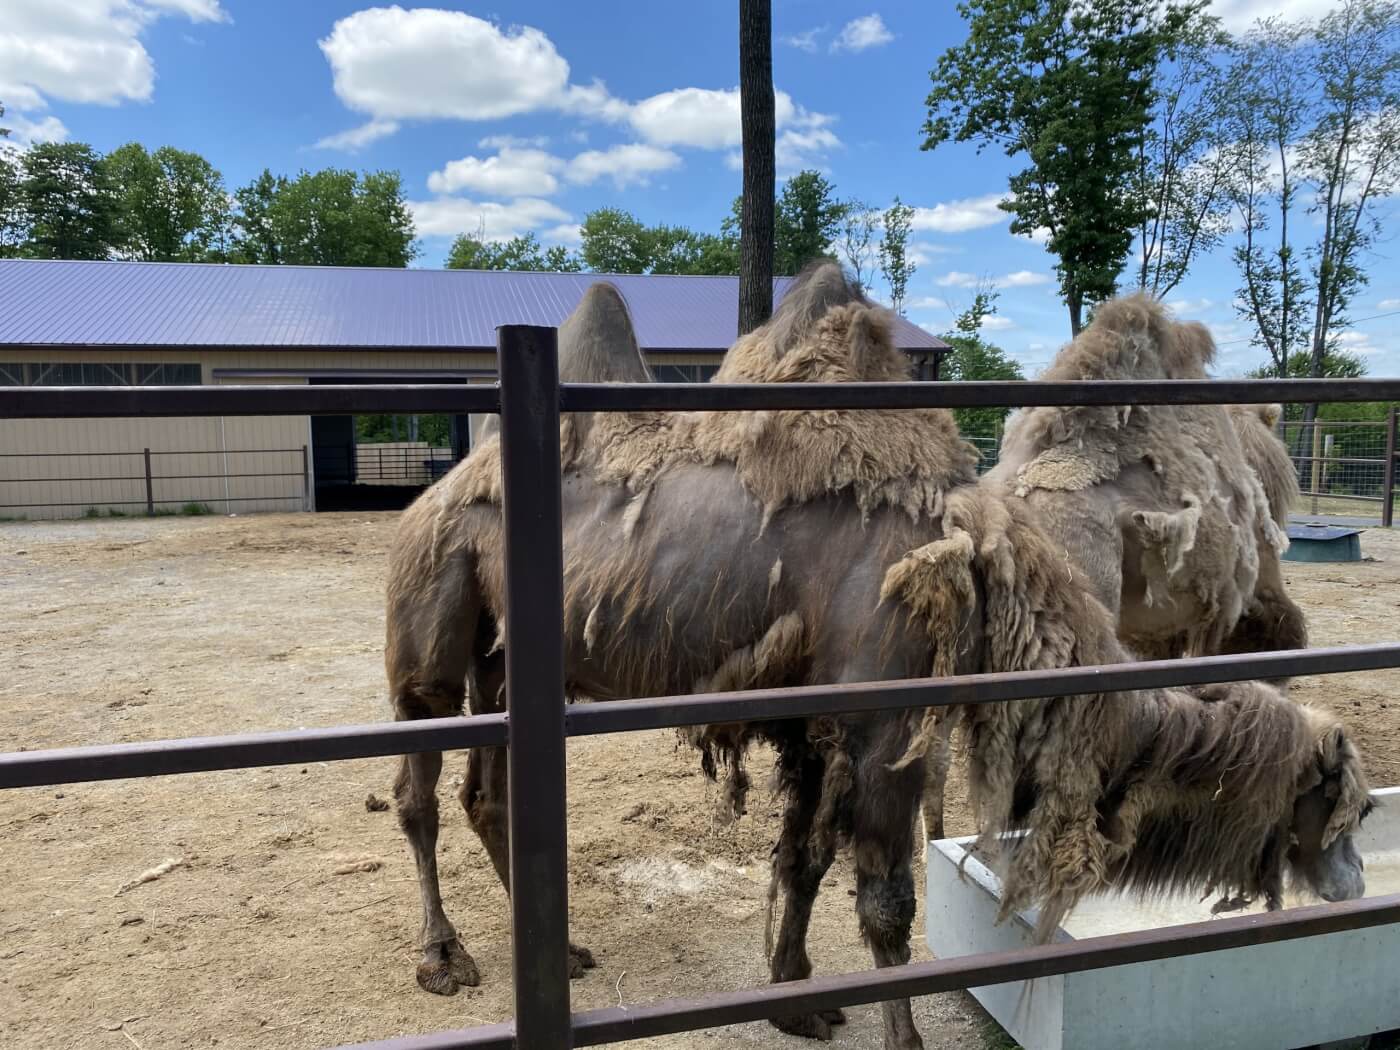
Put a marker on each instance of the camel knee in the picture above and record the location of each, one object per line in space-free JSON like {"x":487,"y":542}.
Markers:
{"x":417,"y":808}
{"x":433,"y":700}
{"x":885,"y":905}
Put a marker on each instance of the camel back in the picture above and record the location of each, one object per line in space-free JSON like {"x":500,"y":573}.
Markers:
{"x":824,"y":331}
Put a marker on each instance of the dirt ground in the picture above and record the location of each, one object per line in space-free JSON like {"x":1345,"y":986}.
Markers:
{"x":138,"y":629}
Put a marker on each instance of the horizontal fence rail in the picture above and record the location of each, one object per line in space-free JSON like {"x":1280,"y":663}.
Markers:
{"x":97,"y":402}
{"x":615,"y":1024}
{"x":538,"y":723}
{"x":288,"y":747}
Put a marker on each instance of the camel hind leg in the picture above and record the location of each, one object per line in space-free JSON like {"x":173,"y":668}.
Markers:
{"x":485,"y":793}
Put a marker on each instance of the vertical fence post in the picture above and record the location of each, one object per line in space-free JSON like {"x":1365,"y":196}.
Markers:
{"x":1312,"y":463}
{"x":528,"y":360}
{"x":1388,"y":506}
{"x":150,"y":491}
{"x":305,"y":478}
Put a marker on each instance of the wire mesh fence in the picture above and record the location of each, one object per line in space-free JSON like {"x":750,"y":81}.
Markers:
{"x":1342,"y":466}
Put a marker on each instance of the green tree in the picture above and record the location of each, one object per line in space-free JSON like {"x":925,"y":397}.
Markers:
{"x":13,"y":227}
{"x":615,"y":241}
{"x":470,"y":252}
{"x":895,"y":264}
{"x":972,"y":358}
{"x":173,"y":204}
{"x":808,"y":220}
{"x":69,"y":201}
{"x":1066,"y":85}
{"x":331,"y":217}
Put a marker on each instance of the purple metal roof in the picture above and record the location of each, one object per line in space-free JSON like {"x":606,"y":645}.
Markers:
{"x":127,"y":304}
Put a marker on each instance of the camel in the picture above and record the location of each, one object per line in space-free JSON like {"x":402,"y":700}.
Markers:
{"x":1175,"y":513}
{"x":712,"y":551}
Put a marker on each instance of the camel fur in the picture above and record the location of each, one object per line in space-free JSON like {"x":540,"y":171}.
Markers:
{"x":1150,"y":792}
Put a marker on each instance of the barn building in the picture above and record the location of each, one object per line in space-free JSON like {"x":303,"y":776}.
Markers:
{"x":72,"y":323}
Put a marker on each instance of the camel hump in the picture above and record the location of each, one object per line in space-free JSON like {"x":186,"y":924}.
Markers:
{"x":820,"y":286}
{"x":1135,"y":337}
{"x":597,"y":342}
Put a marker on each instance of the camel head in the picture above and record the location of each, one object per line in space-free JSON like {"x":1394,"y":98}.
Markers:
{"x":1331,"y":804}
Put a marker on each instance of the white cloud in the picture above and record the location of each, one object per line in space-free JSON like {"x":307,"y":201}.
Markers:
{"x":708,"y":118}
{"x":1388,"y":304}
{"x":957,"y":279}
{"x":1356,"y":342}
{"x":997,"y":323}
{"x":921,"y":253}
{"x":1240,"y":15}
{"x":1187,"y":307}
{"x":354,"y":139}
{"x":568,"y":233}
{"x":423,"y":63}
{"x":86,"y":51}
{"x":959,"y":216}
{"x":797,"y":149}
{"x":1019,"y":279}
{"x":25,"y":132}
{"x":498,"y":221}
{"x":625,"y":165}
{"x":806,"y":40}
{"x":929,"y":302}
{"x":511,"y":172}
{"x":593,"y":100}
{"x":862,"y":33}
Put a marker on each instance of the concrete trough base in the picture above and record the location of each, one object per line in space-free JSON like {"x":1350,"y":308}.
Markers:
{"x":1320,"y":990}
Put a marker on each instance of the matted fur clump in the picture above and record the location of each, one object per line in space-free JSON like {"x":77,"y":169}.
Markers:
{"x":1181,"y":488}
{"x":824,"y":331}
{"x":1148,"y":791}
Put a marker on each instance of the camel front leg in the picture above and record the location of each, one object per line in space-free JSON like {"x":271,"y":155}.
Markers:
{"x":799,"y":865}
{"x":935,"y":787}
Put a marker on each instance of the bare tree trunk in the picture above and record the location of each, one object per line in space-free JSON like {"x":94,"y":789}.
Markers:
{"x":1074,"y":299}
{"x":756,"y":110}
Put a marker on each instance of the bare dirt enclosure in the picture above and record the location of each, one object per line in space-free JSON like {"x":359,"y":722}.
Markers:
{"x":288,"y":918}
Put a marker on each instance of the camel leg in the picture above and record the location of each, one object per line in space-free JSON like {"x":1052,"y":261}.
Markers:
{"x":445,"y":966}
{"x":1275,"y":622}
{"x":935,"y":787}
{"x":485,"y":793}
{"x":798,"y":868}
{"x":883,"y":847}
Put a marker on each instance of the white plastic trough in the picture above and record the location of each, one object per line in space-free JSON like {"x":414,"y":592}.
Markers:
{"x":1268,"y":997}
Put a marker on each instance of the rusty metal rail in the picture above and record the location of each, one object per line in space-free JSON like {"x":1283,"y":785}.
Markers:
{"x":537,"y":722}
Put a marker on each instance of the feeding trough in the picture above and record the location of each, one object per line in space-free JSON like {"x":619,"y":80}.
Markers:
{"x":1317,"y":542}
{"x":1275,"y":996}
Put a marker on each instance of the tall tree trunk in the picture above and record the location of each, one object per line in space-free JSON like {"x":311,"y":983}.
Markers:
{"x":1074,"y":298}
{"x":756,"y":110}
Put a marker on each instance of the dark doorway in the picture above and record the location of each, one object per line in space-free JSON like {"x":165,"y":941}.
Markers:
{"x":374,"y":463}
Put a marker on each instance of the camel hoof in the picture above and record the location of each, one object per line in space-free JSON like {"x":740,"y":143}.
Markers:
{"x":447,"y":967}
{"x":809,"y":1026}
{"x":580,"y":959}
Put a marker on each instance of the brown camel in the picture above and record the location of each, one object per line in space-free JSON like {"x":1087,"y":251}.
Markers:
{"x":728,"y":551}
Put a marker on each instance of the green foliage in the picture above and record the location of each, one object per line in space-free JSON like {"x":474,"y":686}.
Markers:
{"x":616,"y":241}
{"x":973,"y":358}
{"x":14,"y":225}
{"x":894,"y":252}
{"x":332,"y":217}
{"x":1068,"y":86}
{"x":195,"y":510}
{"x":69,"y":202}
{"x":436,"y":430}
{"x":519,"y":253}
{"x":173,"y":205}
{"x":856,"y":237}
{"x":806,"y":222}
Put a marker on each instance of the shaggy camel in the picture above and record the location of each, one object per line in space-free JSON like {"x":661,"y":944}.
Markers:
{"x":1175,"y":513}
{"x":738,"y":550}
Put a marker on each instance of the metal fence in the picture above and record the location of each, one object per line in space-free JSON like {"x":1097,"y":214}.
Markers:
{"x":1345,"y":467}
{"x":537,"y":723}
{"x":152,"y":481}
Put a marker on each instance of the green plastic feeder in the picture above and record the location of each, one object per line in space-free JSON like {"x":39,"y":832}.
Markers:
{"x":1322,"y":543}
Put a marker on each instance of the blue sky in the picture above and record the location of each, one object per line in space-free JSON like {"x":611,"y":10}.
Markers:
{"x":526,"y":115}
